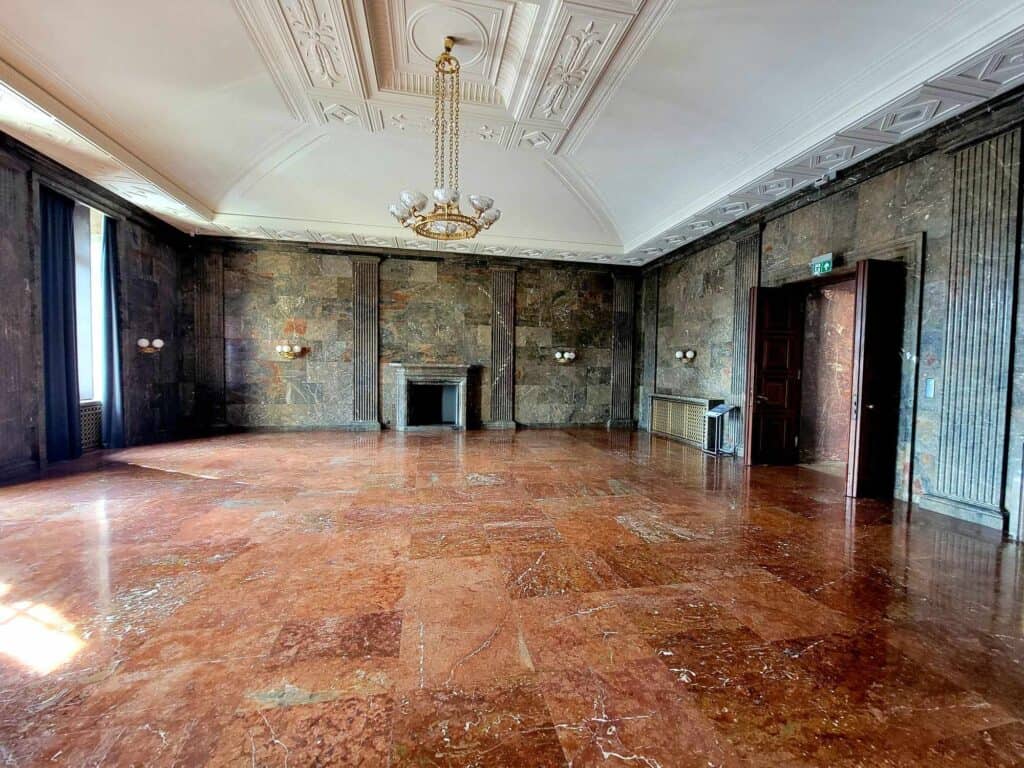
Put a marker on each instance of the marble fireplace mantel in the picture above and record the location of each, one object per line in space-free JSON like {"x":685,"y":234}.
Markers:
{"x":411,"y":374}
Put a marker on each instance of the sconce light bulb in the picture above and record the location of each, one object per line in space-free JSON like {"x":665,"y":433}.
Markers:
{"x":690,"y":354}
{"x":679,"y":354}
{"x":571,"y":355}
{"x":143,"y":343}
{"x":558,"y":355}
{"x":296,"y":348}
{"x":158,"y":343}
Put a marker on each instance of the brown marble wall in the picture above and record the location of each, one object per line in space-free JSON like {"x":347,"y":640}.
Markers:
{"x":20,"y":374}
{"x":281,"y":295}
{"x":435,"y":311}
{"x":432,"y":310}
{"x":158,"y":394}
{"x":876,"y":218}
{"x":696,"y":311}
{"x":902,"y":203}
{"x":827,"y":373}
{"x":563,"y":307}
{"x":157,"y":390}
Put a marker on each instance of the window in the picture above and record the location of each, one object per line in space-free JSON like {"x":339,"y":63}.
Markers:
{"x":89,"y":300}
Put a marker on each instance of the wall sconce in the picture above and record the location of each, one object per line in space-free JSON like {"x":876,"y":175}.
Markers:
{"x":289,"y":351}
{"x":686,"y":355}
{"x":564,"y":356}
{"x":149,"y":347}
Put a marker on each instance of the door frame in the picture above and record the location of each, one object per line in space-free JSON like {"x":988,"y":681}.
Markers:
{"x":911,"y":251}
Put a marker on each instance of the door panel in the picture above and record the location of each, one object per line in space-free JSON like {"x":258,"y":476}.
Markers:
{"x":773,"y":376}
{"x":877,"y":369}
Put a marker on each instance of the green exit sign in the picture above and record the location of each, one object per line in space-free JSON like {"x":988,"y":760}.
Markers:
{"x":821,"y":265}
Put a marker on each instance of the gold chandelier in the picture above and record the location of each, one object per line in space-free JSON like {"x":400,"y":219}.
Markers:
{"x":445,"y":221}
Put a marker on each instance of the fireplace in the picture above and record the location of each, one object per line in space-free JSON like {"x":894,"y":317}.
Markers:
{"x":430,"y":396}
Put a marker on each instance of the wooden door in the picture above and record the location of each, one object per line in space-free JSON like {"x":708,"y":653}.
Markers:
{"x":774,"y":361}
{"x":877,"y":370}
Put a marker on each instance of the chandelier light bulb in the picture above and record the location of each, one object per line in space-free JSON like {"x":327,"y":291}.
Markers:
{"x":414,"y":201}
{"x":480,"y":203}
{"x":445,"y":219}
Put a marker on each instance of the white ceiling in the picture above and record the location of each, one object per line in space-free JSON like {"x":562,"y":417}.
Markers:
{"x":606,"y":130}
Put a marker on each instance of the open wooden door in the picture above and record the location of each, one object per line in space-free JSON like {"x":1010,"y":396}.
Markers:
{"x":877,"y":370}
{"x":775,"y":357}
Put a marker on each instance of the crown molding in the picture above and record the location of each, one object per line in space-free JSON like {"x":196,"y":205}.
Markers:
{"x":990,"y":118}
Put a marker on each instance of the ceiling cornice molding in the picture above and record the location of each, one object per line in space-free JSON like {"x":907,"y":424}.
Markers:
{"x":990,"y":118}
{"x":349,"y":234}
{"x":987,"y":73}
{"x":86,"y":132}
{"x":482,"y":260}
{"x":24,"y":158}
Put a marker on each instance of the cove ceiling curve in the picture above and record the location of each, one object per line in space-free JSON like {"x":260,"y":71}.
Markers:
{"x":608,"y":130}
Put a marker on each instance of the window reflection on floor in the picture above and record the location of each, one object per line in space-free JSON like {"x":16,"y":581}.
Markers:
{"x":35,"y":635}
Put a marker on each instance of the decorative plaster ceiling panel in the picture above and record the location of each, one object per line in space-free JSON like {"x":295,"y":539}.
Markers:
{"x":309,"y":115}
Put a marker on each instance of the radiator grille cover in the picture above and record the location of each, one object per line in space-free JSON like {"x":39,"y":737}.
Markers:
{"x":682,"y":418}
{"x":91,"y":416}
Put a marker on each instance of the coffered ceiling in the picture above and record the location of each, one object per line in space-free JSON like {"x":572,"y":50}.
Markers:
{"x":606,"y":130}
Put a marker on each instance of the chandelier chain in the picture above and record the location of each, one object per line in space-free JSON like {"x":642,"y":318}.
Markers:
{"x":456,"y":98}
{"x":438,"y":130}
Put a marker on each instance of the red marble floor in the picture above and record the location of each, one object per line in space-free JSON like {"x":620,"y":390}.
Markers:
{"x":539,"y":599}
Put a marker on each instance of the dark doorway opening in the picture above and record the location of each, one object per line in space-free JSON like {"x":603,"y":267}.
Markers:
{"x":812,"y":384}
{"x":433,"y":405}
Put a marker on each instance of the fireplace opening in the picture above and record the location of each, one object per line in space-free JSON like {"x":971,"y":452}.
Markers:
{"x":433,"y":405}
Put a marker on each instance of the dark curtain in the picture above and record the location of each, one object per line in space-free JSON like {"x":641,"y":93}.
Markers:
{"x":113,"y":401}
{"x":60,"y":354}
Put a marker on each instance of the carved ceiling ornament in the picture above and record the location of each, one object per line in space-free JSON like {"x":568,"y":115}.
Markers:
{"x":318,"y":40}
{"x":574,"y":63}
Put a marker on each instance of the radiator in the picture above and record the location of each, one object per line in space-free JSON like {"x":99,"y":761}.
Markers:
{"x":681,"y":418}
{"x":91,"y":416}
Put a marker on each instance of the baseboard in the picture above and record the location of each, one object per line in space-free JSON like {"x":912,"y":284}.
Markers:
{"x":498,"y":425}
{"x":15,"y":471}
{"x":349,"y":426}
{"x":621,"y":424}
{"x":963,"y":510}
{"x":363,"y":426}
{"x":564,"y":425}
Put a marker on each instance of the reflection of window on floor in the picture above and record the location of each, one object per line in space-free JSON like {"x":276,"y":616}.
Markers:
{"x":35,"y":635}
{"x":88,"y":300}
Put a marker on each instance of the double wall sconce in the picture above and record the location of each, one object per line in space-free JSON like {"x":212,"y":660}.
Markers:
{"x":564,"y":356}
{"x":289,"y":351}
{"x":149,"y":347}
{"x":686,"y":355}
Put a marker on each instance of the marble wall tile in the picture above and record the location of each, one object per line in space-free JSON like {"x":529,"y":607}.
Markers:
{"x":287,"y":296}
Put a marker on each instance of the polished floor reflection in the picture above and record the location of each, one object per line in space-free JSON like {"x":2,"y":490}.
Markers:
{"x":534,"y":599}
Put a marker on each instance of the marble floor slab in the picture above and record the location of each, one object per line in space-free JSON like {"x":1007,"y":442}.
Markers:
{"x":540,"y":598}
